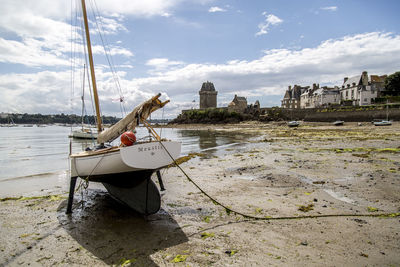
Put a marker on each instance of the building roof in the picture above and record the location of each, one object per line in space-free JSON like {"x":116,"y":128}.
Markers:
{"x":324,"y":91}
{"x":240,"y":98}
{"x":377,"y":78}
{"x":355,"y":79}
{"x":207,"y":86}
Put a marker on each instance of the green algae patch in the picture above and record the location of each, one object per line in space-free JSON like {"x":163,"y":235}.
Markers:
{"x":184,"y":159}
{"x":180,"y":258}
{"x":366,"y":155}
{"x":388,"y":150}
{"x":206,"y":235}
{"x":48,"y":197}
{"x":207,"y":219}
{"x":306,"y":208}
{"x":258,"y":210}
{"x":125,"y":262}
{"x":9,"y":198}
{"x":372,"y":209}
{"x":231,"y":252}
{"x":390,"y":215}
{"x":359,"y":150}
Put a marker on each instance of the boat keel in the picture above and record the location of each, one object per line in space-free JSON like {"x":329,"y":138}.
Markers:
{"x":135,"y":189}
{"x":143,"y":197}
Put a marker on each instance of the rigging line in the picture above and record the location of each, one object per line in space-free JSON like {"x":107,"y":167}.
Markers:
{"x":109,"y":58}
{"x":162,"y":119}
{"x":106,"y":45}
{"x":72,"y":47}
{"x":267,"y":218}
{"x":107,"y":52}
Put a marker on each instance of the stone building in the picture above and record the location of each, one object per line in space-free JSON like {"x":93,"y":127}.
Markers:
{"x":208,"y":95}
{"x":361,"y":89}
{"x":306,"y":96}
{"x":238,"y":104}
{"x":291,"y":98}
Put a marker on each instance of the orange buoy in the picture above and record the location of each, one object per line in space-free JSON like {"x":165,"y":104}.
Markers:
{"x":128,"y":138}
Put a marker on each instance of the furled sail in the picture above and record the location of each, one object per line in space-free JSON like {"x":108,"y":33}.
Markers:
{"x":130,"y":121}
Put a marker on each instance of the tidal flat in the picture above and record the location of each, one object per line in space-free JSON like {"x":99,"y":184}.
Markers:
{"x":311,"y":171}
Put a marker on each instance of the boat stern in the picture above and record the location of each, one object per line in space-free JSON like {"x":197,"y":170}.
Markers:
{"x":152,"y":155}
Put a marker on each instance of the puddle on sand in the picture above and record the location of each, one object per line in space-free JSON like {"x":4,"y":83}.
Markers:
{"x":330,"y":192}
{"x":344,"y":179}
{"x":339,"y":196}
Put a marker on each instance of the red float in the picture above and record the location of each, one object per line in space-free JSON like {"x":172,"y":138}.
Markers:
{"x":128,"y":138}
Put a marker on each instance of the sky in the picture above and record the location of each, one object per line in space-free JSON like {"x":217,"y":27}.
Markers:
{"x":254,"y":49}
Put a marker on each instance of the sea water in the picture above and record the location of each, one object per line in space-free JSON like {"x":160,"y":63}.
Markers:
{"x":34,"y":159}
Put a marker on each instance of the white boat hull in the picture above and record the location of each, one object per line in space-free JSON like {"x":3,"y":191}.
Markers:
{"x":140,"y":156}
{"x":293,"y":123}
{"x":383,"y":123}
{"x":83,"y":134}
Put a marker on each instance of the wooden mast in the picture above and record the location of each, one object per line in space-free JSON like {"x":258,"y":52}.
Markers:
{"x":89,"y":46}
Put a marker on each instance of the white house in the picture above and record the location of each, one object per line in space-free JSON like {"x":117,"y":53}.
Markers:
{"x":325,"y":96}
{"x":361,"y":89}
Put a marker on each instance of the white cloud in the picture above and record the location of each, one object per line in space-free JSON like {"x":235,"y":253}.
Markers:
{"x":330,"y":8}
{"x":41,"y":37}
{"x":138,"y":8}
{"x":216,"y":9}
{"x":270,"y":20}
{"x":265,"y":78}
{"x":110,"y":25}
{"x":162,"y":64}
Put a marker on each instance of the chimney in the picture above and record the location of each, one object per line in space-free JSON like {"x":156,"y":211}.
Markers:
{"x":345,"y":79}
{"x":290,"y":87}
{"x":364,"y":78}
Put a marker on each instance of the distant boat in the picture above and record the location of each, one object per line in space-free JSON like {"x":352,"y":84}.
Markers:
{"x":386,"y":122}
{"x":125,"y":170}
{"x":84,"y":133}
{"x":11,"y":122}
{"x":383,"y":123}
{"x":338,"y":123}
{"x":293,"y":123}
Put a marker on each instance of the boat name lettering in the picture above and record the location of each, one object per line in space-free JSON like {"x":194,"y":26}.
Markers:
{"x":152,"y":148}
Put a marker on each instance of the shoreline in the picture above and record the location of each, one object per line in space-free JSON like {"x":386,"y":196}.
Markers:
{"x":331,"y":170}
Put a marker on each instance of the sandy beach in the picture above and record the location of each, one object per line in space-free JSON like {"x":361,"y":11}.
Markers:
{"x":315,"y":169}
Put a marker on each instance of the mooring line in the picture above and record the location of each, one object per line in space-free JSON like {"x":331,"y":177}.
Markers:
{"x":267,"y":218}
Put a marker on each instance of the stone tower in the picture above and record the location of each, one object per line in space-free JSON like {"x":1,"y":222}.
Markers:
{"x":208,"y":95}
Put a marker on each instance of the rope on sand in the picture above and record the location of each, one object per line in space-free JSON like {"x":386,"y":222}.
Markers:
{"x":267,"y":218}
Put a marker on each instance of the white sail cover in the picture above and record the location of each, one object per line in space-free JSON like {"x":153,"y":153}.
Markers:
{"x":130,"y":121}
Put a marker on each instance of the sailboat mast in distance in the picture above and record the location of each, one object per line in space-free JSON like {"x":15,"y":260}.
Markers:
{"x":89,"y":46}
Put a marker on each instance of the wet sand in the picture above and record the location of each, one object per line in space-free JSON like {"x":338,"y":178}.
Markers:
{"x":279,"y":172}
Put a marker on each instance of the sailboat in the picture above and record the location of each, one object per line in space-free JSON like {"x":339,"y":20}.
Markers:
{"x":83,"y":132}
{"x":11,"y":122}
{"x":338,"y":123}
{"x":386,"y":122}
{"x":125,"y":170}
{"x":292,"y":123}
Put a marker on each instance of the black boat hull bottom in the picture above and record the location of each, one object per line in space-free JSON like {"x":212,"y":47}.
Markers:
{"x":143,"y":197}
{"x":134,"y":189}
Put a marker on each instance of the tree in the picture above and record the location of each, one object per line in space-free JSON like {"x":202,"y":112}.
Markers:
{"x":392,"y":84}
